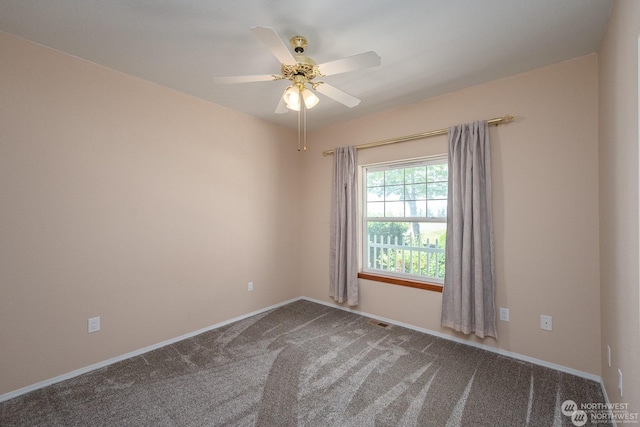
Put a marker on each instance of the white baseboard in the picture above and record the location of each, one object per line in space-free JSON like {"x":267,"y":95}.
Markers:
{"x":86,"y":369}
{"x":116,"y":359}
{"x":502,"y":352}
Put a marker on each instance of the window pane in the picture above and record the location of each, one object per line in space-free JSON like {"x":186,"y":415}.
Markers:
{"x":375,"y":194}
{"x":416,"y":208}
{"x":394,"y":192}
{"x":404,"y":247}
{"x":434,"y":234}
{"x":394,"y":176}
{"x":437,"y":209}
{"x":437,"y":172}
{"x":416,"y":192}
{"x":375,"y":209}
{"x":375,"y":179}
{"x":384,"y":230}
{"x":394,"y":209}
{"x":415,"y":175}
{"x":430,"y":234}
{"x":437,"y":190}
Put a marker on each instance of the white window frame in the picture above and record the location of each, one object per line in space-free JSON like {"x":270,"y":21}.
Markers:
{"x":431,"y":160}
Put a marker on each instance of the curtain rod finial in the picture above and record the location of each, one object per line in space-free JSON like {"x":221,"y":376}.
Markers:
{"x":501,"y":120}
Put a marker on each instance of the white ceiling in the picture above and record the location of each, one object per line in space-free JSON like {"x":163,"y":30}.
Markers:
{"x":428,"y":47}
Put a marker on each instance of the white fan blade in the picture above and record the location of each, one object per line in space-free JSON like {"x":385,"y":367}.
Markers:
{"x":282,"y":107}
{"x":244,"y":79}
{"x":274,"y":43}
{"x":350,"y":63}
{"x":338,"y":95}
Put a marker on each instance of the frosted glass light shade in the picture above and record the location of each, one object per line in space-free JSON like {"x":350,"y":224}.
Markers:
{"x":292,"y":97}
{"x":310,"y":99}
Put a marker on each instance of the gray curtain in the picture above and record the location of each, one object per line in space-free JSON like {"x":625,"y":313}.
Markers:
{"x":469,"y":284}
{"x":343,"y":256}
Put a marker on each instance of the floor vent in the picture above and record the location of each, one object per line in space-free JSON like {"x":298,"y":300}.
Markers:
{"x":378,"y":323}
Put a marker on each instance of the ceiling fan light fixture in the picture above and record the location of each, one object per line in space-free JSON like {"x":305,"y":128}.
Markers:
{"x":310,"y":99}
{"x":301,"y":71}
{"x":291,"y":97}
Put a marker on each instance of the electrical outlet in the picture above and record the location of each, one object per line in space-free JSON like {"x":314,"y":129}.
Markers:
{"x":250,"y":287}
{"x":546,"y":322}
{"x":93,"y":324}
{"x":504,"y":314}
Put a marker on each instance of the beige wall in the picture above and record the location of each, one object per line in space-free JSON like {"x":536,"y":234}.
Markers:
{"x":618,"y":108}
{"x":545,"y":206}
{"x":129,"y":201}
{"x":152,"y":209}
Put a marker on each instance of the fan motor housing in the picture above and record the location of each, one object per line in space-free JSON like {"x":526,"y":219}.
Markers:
{"x":304,"y":66}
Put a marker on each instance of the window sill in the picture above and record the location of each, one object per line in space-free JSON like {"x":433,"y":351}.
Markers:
{"x":401,"y":282}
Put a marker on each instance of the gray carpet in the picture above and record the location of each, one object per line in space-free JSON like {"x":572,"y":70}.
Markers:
{"x":305,"y":364}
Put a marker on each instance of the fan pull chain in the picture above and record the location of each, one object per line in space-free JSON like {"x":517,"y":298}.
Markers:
{"x":304,"y":118}
{"x":299,"y":129}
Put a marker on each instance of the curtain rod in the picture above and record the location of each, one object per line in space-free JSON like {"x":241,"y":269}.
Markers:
{"x":496,"y":121}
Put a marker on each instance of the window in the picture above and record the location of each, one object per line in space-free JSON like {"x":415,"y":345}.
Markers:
{"x":405,"y":219}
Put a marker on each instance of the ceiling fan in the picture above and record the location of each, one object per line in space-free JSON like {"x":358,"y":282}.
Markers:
{"x":302,"y":72}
